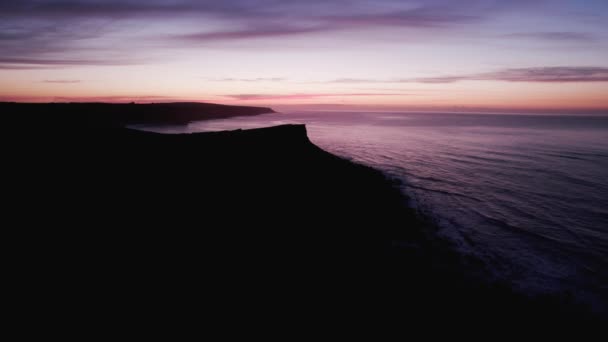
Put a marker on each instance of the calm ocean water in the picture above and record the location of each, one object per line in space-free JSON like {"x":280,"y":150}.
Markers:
{"x":526,"y":193}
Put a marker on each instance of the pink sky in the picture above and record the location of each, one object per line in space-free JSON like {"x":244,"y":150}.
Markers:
{"x":410,"y":54}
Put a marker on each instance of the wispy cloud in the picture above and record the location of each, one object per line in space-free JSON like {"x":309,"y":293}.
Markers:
{"x":62,"y":81}
{"x":259,"y":79}
{"x":438,"y":79}
{"x":422,"y":16}
{"x":60,"y":33}
{"x":554,"y":36}
{"x":42,"y":44}
{"x":357,"y":80}
{"x":307,"y":22}
{"x":247,"y":33}
{"x":542,"y":74}
{"x":539,"y":74}
{"x":33,"y":29}
{"x":16,"y":63}
{"x":21,"y":67}
{"x":252,"y":97}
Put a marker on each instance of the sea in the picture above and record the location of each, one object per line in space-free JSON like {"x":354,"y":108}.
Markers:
{"x":527,"y":194}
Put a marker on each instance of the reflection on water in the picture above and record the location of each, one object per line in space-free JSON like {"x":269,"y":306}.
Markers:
{"x":527,"y":193}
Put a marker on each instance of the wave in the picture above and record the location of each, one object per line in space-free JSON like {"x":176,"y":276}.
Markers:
{"x":444,"y":192}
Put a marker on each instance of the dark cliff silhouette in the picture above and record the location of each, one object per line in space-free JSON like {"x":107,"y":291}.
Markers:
{"x":117,"y":114}
{"x":260,"y":224}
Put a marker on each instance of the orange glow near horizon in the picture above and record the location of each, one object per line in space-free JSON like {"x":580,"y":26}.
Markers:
{"x":496,"y":95}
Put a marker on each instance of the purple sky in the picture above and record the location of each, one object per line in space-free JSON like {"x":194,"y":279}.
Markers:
{"x":545,"y":54}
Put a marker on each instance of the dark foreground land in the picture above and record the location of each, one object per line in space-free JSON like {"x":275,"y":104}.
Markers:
{"x":257,"y":227}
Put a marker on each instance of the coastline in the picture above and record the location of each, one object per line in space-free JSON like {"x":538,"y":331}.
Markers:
{"x":242,"y":211}
{"x":121,"y":114}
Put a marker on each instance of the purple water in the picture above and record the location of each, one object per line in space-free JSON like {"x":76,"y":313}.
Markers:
{"x":526,"y":193}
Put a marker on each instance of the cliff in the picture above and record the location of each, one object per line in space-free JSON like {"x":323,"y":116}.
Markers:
{"x":122,"y":114}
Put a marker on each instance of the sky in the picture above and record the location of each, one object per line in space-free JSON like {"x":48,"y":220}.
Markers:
{"x":496,"y":55}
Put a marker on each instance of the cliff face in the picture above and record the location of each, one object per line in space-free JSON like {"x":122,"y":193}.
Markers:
{"x":98,"y":114}
{"x":271,"y":173}
{"x":231,"y":212}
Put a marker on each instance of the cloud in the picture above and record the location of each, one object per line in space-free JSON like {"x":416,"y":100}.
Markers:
{"x":259,"y":79}
{"x":307,"y":22}
{"x":59,"y":33}
{"x":109,"y":8}
{"x":246,"y":19}
{"x":356,"y":80}
{"x":59,"y":61}
{"x":255,"y":97}
{"x":62,"y":81}
{"x":16,"y":63}
{"x":540,"y":74}
{"x":247,"y":33}
{"x":21,"y":67}
{"x":28,"y":43}
{"x":440,"y":79}
{"x":554,"y":36}
{"x":421,"y":17}
{"x":410,"y":12}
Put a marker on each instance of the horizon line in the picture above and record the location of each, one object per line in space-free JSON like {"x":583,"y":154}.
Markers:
{"x":330,"y":107}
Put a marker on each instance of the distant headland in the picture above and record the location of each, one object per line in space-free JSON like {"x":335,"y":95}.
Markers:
{"x":115,"y":114}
